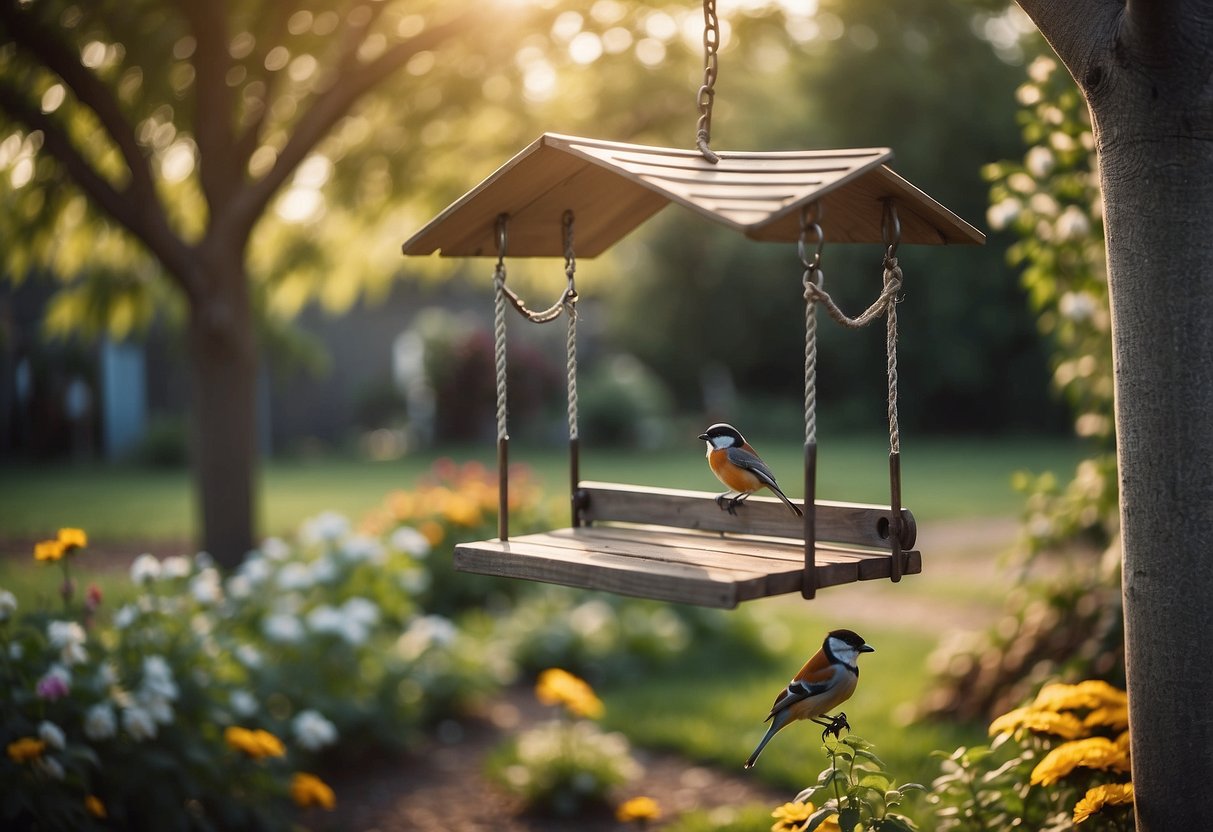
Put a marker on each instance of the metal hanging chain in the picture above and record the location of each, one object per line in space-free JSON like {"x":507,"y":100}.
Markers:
{"x":707,"y":92}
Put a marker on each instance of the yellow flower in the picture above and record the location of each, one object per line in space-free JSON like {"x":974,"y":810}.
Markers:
{"x":1093,"y":752}
{"x":1111,"y":716}
{"x":1064,"y":725}
{"x":1108,"y":794}
{"x":48,"y":550}
{"x":256,"y":743}
{"x":1090,"y":694}
{"x":792,"y":817}
{"x":559,"y":687}
{"x":432,"y":531}
{"x":25,"y":749}
{"x":73,"y":539}
{"x":462,"y":510}
{"x":310,"y":790}
{"x":638,"y":808}
{"x":95,"y":807}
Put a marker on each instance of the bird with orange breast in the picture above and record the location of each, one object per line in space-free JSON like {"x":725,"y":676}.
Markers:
{"x":739,"y":467}
{"x":826,"y":681}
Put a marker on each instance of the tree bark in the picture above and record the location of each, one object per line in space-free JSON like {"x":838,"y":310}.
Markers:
{"x":1146,"y":70}
{"x":223,"y":375}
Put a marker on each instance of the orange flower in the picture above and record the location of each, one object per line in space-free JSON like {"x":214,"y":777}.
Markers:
{"x":49,"y":550}
{"x":72,"y":539}
{"x":559,"y":687}
{"x":256,"y":743}
{"x":638,"y":809}
{"x":95,"y":807}
{"x":310,"y":790}
{"x":25,"y":749}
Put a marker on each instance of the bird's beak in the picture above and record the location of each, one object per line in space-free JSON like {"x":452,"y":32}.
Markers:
{"x":867,"y":648}
{"x":704,"y":437}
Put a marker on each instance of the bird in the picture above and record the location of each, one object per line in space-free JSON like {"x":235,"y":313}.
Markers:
{"x":739,"y":467}
{"x":826,"y":681}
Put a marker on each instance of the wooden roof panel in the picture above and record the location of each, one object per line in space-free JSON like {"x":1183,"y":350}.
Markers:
{"x":613,"y":187}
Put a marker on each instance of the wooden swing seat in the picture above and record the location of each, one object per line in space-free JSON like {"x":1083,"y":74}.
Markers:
{"x":679,"y":546}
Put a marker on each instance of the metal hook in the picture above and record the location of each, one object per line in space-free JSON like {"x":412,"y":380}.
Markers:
{"x":805,"y":228}
{"x":503,"y":220}
{"x":890,"y":226}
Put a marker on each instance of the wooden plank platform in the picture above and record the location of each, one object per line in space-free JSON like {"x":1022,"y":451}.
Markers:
{"x":680,"y":566}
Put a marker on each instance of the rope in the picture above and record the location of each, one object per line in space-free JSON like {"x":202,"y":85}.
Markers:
{"x":892,"y":280}
{"x":566,"y":304}
{"x":499,"y":342}
{"x":813,"y":280}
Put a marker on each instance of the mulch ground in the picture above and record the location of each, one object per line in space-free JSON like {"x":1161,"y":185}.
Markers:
{"x":443,"y":786}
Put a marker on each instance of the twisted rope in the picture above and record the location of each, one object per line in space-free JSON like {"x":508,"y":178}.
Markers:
{"x":569,"y":302}
{"x":892,"y":281}
{"x":499,"y":344}
{"x":810,"y":350}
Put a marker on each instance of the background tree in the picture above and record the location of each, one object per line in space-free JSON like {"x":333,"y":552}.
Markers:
{"x":1144,"y":70}
{"x":185,"y":153}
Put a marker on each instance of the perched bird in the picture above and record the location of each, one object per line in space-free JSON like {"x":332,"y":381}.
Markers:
{"x":826,"y":681}
{"x":739,"y":467}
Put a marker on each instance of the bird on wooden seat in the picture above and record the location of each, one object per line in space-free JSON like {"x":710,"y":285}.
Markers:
{"x":739,"y":467}
{"x":826,"y":681}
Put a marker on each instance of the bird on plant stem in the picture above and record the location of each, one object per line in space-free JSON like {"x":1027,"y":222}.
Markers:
{"x":739,"y":467}
{"x":826,"y":681}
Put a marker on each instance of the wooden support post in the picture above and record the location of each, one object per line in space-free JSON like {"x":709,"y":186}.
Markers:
{"x":503,"y":488}
{"x":575,"y":480}
{"x":895,"y":524}
{"x":809,"y":587}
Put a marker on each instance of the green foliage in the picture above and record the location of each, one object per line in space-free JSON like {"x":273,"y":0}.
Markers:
{"x":165,"y":443}
{"x":857,"y":788}
{"x":1056,"y":762}
{"x":1073,"y":625}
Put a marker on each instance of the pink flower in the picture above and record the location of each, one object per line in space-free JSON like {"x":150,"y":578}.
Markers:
{"x":54,"y":685}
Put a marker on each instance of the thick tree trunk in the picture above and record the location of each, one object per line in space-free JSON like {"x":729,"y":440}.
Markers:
{"x":1154,"y":135}
{"x":1146,"y":70}
{"x":223,"y":367}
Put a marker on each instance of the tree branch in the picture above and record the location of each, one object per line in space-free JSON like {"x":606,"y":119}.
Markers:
{"x":213,"y":103}
{"x":48,"y":50}
{"x":124,"y":206}
{"x":272,"y":34}
{"x":1076,"y":29}
{"x":329,"y":107}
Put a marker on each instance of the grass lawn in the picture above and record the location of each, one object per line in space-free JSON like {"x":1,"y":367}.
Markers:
{"x":942,"y":479}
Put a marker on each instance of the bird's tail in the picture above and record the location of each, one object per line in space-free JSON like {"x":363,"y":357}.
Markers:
{"x":784,"y":497}
{"x":775,"y":726}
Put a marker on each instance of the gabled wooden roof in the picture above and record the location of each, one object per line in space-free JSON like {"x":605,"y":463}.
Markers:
{"x":613,"y":187}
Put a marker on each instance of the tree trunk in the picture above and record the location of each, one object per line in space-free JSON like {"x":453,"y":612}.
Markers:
{"x":1154,"y":135}
{"x":223,"y":368}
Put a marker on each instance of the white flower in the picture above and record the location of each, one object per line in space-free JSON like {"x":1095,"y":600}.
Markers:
{"x":312,"y":730}
{"x":422,"y":633}
{"x":249,"y":656}
{"x":282,"y":628}
{"x":145,"y":569}
{"x":239,"y":587}
{"x":206,"y":588}
{"x":295,"y":576}
{"x":107,"y":675}
{"x":354,"y":632}
{"x":324,"y":619}
{"x":100,"y":722}
{"x":52,"y":735}
{"x":360,"y":548}
{"x":8,"y":605}
{"x":177,"y":566}
{"x":1072,"y":223}
{"x":326,"y":527}
{"x":324,"y":570}
{"x":63,"y":633}
{"x":1077,"y":306}
{"x":414,"y":581}
{"x":275,"y":548}
{"x":255,"y":570}
{"x":362,"y":610}
{"x":126,"y":615}
{"x":1039,"y":161}
{"x":158,"y":678}
{"x":51,"y":767}
{"x":410,"y":541}
{"x":243,"y":703}
{"x":1003,"y":213}
{"x":158,"y":707}
{"x":137,"y":722}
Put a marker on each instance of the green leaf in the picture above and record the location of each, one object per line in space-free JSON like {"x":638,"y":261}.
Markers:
{"x":868,"y":755}
{"x":876,"y":782}
{"x":818,"y":818}
{"x":849,"y":818}
{"x":896,"y":823}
